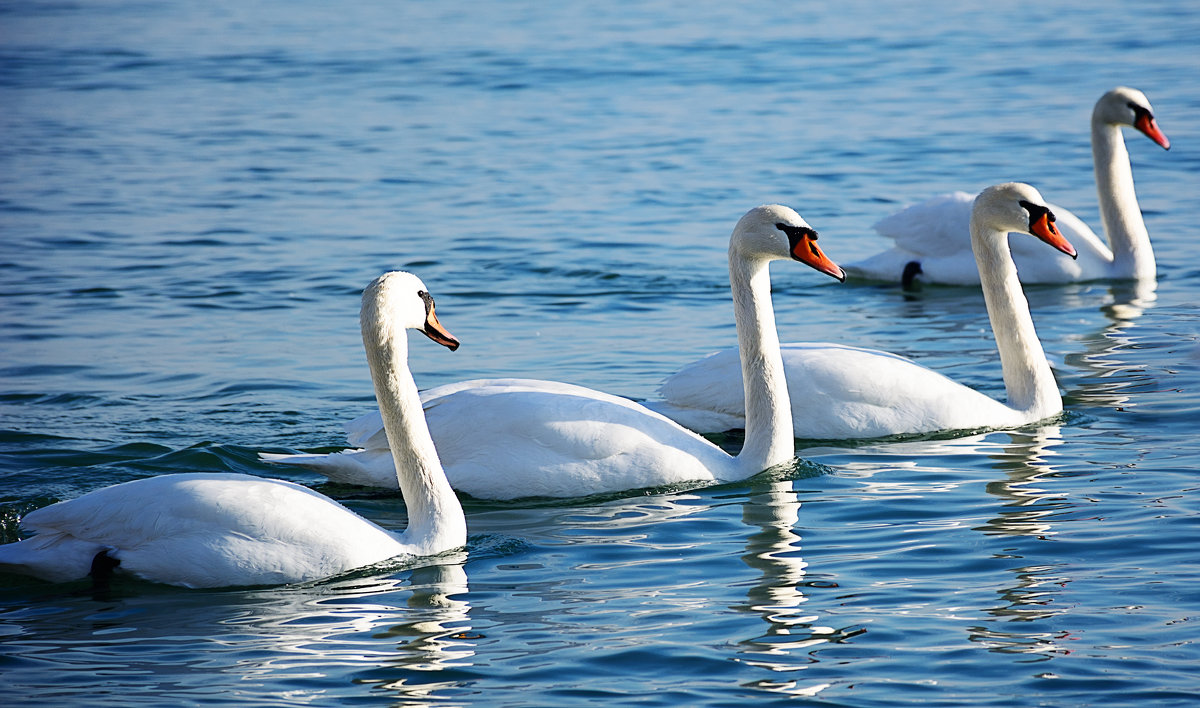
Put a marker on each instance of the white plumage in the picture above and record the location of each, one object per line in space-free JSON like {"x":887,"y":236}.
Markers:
{"x":200,"y":530}
{"x":509,"y":438}
{"x":838,"y":392}
{"x":935,"y":233}
{"x":843,"y":392}
{"x":215,"y":530}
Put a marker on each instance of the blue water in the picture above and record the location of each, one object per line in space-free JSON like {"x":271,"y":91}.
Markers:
{"x":193,"y":195}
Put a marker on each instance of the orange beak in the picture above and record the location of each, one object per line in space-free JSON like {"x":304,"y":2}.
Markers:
{"x":806,"y":250}
{"x":1043,"y":227}
{"x":1145,"y":123}
{"x":435,"y":331}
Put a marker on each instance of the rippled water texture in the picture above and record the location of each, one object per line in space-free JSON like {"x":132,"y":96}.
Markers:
{"x":193,"y":195}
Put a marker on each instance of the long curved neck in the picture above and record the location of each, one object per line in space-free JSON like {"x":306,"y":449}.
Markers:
{"x":1028,"y":379}
{"x":1119,"y":211}
{"x":435,"y":517}
{"x":769,"y":438}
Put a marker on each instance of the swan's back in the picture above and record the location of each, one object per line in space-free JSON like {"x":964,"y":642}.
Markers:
{"x":511,"y":438}
{"x":937,"y":226}
{"x":838,"y":392}
{"x":207,"y":530}
{"x":936,"y":234}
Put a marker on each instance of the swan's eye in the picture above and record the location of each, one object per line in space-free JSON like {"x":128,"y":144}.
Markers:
{"x":424,"y":295}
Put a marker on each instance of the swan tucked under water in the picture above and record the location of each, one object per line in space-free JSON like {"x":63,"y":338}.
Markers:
{"x":844,"y":392}
{"x":510,"y":438}
{"x":932,"y":238}
{"x":216,"y":530}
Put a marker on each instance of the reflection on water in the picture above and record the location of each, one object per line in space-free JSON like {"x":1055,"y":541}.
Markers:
{"x":1030,"y":618}
{"x":778,"y":596}
{"x":1027,"y":498}
{"x":1024,"y":460}
{"x":1030,"y":511}
{"x":436,"y":632}
{"x":1110,"y":372}
{"x":196,"y":192}
{"x":298,"y":642}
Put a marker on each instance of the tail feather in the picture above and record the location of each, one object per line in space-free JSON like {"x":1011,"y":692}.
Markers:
{"x":56,"y":557}
{"x":368,"y":468}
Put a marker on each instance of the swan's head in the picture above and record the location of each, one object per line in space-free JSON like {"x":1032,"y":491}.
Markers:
{"x":1128,"y":106}
{"x":400,"y":299}
{"x":775,"y":232}
{"x":1015,"y":206}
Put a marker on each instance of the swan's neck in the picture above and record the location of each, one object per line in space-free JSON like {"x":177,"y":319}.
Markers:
{"x":1027,"y":376}
{"x":435,"y":517}
{"x":769,"y":438}
{"x":1119,"y":211}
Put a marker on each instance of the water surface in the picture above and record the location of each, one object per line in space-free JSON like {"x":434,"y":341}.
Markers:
{"x":192,"y":197}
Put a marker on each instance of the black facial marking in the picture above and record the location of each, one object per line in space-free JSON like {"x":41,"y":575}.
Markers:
{"x":1140,"y":112}
{"x":1036,"y":211}
{"x":796,"y":234}
{"x":424,"y":295}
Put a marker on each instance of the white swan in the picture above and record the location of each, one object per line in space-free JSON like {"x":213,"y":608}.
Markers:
{"x":931,"y":238}
{"x":504,"y":439}
{"x":215,"y":530}
{"x":843,"y":392}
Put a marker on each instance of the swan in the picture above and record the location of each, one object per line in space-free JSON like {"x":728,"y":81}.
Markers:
{"x":512,"y":438}
{"x":845,"y":392}
{"x":931,"y":238}
{"x":218,"y":530}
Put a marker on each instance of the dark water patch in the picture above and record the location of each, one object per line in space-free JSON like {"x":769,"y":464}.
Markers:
{"x":407,"y":181}
{"x":242,"y":388}
{"x":491,"y":546}
{"x":74,"y":457}
{"x":422,"y":264}
{"x":98,"y":293}
{"x":201,"y":457}
{"x":141,"y":267}
{"x":104,"y":86}
{"x":69,"y":242}
{"x":64,"y":400}
{"x":214,"y":206}
{"x":12,"y":207}
{"x":33,"y":370}
{"x":222,"y":231}
{"x":24,"y":437}
{"x":216,"y":292}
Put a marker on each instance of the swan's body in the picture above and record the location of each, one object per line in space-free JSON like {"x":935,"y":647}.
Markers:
{"x":935,"y":235}
{"x":216,"y":530}
{"x":503,"y":439}
{"x":838,"y":392}
{"x":841,"y":392}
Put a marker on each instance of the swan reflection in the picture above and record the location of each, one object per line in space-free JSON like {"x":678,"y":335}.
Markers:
{"x":390,"y":630}
{"x":1026,"y":459}
{"x":774,"y":550}
{"x":1021,"y":473}
{"x":1029,"y":510}
{"x":773,"y":508}
{"x":1108,"y":373}
{"x":436,"y":632}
